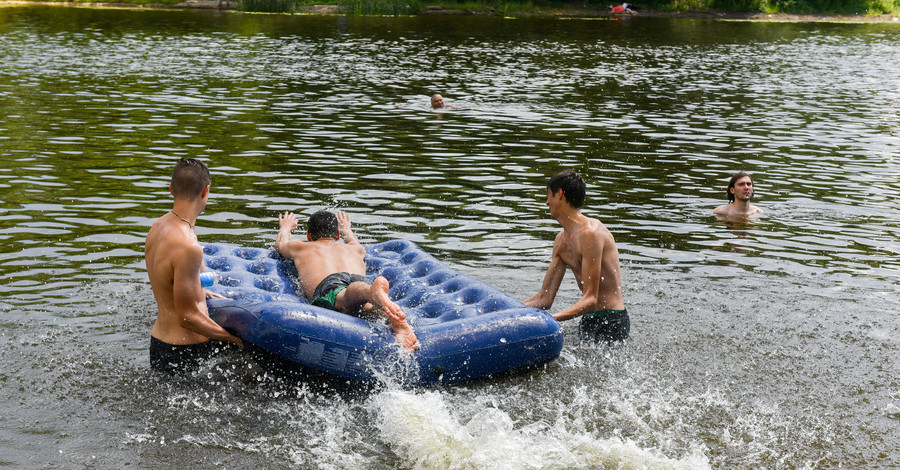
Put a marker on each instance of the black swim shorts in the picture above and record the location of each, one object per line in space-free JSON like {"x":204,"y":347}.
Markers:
{"x":181,"y":358}
{"x":606,"y":325}
{"x":327,"y":290}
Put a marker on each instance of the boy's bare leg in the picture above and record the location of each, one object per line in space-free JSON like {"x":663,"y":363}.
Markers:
{"x":378,"y":295}
{"x":362,"y":295}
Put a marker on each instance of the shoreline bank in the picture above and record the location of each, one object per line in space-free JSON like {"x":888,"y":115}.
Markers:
{"x":436,"y":10}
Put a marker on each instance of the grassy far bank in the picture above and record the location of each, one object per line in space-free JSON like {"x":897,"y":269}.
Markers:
{"x":765,"y":9}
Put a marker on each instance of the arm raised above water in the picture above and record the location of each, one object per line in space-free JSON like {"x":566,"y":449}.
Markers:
{"x":283,"y":243}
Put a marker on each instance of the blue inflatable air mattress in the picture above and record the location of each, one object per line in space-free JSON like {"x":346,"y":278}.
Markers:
{"x":467,"y":329}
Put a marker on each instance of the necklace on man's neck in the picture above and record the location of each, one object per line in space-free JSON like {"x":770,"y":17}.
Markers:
{"x":183,"y":219}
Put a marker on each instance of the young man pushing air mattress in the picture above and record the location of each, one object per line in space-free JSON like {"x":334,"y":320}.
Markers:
{"x":586,"y":247}
{"x":182,"y":334}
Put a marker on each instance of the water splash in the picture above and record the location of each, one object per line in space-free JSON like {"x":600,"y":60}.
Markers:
{"x":422,"y":430}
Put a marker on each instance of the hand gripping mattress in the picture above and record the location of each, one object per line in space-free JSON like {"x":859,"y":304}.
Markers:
{"x":467,"y":328}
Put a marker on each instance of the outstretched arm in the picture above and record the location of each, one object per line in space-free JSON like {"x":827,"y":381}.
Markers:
{"x":345,"y":230}
{"x":283,"y":244}
{"x":347,"y":233}
{"x":552,"y":280}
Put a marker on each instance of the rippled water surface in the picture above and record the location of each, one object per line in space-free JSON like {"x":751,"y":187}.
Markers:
{"x":764,"y":344}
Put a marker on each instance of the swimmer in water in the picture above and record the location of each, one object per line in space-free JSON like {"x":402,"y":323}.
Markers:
{"x":740,"y":191}
{"x":586,"y":247}
{"x":437,"y":102}
{"x":332,"y":271}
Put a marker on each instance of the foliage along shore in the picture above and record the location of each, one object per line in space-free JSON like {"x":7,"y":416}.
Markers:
{"x":863,"y":11}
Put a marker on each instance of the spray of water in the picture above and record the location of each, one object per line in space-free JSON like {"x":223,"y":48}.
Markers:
{"x":426,"y":434}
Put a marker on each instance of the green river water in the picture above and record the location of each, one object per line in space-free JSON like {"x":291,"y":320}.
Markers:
{"x":770,"y":344}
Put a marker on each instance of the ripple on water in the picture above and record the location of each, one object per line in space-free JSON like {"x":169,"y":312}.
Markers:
{"x":755,"y":344}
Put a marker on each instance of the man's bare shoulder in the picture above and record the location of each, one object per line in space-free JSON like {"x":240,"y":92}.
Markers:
{"x":173,"y":241}
{"x":189,"y":247}
{"x":595,"y":229}
{"x":560,"y":238}
{"x":295,"y":248}
{"x":185,"y":254}
{"x":351,"y":249}
{"x":722,"y":210}
{"x":358,"y":248}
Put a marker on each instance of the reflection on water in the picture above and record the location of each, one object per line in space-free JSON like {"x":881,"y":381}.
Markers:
{"x":743,"y":331}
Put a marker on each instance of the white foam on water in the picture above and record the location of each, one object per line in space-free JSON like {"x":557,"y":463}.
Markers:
{"x":302,"y":429}
{"x":425,"y":433}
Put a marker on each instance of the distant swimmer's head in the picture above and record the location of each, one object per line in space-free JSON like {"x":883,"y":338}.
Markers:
{"x":322,"y":224}
{"x":189,"y":179}
{"x":437,"y":101}
{"x":572,"y":186}
{"x":740,"y":186}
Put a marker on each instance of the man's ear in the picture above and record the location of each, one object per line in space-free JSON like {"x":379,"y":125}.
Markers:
{"x":170,"y":190}
{"x":205,"y":193}
{"x":308,"y":236}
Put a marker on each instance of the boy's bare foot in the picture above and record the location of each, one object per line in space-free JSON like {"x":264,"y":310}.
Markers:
{"x":378,"y":295}
{"x":405,"y":336}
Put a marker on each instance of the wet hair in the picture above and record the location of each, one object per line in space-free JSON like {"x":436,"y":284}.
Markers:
{"x":572,"y":186}
{"x":189,"y":178}
{"x":322,"y":224}
{"x":733,"y":181}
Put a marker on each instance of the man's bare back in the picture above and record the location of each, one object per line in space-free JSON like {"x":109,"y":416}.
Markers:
{"x":323,"y":256}
{"x":316,"y":260}
{"x":171,"y":251}
{"x":174,"y":258}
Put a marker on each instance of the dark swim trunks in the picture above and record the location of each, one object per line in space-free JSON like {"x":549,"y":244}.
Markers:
{"x":181,"y":358}
{"x":327,"y":291}
{"x":606,"y":325}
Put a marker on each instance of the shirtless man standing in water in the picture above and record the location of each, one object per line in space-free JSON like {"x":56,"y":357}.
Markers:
{"x":586,"y":247}
{"x":332,"y":272}
{"x":740,"y":190}
{"x":180,"y":338}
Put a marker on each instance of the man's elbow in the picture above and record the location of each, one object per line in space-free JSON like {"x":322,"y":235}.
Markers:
{"x":281,"y":248}
{"x":191,"y":321}
{"x":590,"y":300}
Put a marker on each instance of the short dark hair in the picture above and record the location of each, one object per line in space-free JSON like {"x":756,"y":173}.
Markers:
{"x":572,"y":186}
{"x":189,"y":178}
{"x":733,"y":181}
{"x":322,"y":224}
